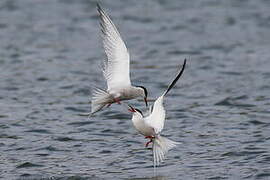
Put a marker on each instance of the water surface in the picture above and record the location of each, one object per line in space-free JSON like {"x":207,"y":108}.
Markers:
{"x":50,"y":54}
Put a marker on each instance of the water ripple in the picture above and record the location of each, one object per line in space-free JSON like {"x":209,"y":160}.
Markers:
{"x":50,"y":56}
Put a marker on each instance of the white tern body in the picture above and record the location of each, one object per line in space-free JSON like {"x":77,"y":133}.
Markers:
{"x":152,"y":125}
{"x":115,"y":69}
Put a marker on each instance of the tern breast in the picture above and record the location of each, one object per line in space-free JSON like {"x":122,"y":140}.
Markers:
{"x":141,"y":126}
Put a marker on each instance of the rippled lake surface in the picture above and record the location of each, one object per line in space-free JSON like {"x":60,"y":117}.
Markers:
{"x":50,"y":57}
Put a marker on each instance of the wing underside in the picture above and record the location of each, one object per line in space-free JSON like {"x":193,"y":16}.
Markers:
{"x":157,"y":117}
{"x":116,"y":66}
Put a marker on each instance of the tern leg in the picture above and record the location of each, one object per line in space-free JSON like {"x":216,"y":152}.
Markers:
{"x":108,"y":105}
{"x":151,"y":140}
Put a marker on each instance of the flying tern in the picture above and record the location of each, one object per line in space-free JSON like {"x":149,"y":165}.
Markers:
{"x":152,"y":125}
{"x":115,"y":69}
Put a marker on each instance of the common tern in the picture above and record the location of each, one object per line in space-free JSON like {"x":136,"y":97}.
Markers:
{"x":115,"y":69}
{"x":152,"y":125}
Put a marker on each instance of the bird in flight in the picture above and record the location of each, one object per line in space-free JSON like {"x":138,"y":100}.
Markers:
{"x":152,"y":125}
{"x":115,"y":69}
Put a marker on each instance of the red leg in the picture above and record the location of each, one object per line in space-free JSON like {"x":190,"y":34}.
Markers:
{"x":108,"y":105}
{"x":146,"y":145}
{"x":151,"y":140}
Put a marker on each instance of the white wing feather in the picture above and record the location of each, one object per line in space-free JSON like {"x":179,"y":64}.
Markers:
{"x":157,"y":117}
{"x":116,"y":67}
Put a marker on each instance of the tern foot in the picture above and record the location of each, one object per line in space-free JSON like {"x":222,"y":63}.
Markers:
{"x":146,"y":145}
{"x":151,"y":140}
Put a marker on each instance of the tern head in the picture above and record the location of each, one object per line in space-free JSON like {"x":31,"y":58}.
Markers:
{"x":136,"y":112}
{"x":144,"y":93}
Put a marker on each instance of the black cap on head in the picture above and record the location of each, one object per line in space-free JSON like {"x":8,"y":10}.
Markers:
{"x":144,"y":89}
{"x":145,"y":94}
{"x":138,"y":111}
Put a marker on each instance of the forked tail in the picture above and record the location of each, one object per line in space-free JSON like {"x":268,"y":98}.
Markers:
{"x":99,"y":99}
{"x":161,"y":146}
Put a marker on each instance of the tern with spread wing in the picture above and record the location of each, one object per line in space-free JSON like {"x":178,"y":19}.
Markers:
{"x":115,"y":69}
{"x":152,"y":125}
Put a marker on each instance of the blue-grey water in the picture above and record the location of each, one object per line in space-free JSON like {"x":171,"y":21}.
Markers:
{"x":50,"y":57}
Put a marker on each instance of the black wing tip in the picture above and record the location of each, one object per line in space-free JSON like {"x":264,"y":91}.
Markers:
{"x":102,"y":14}
{"x":183,"y":66}
{"x":98,"y":6}
{"x":177,"y":77}
{"x":99,"y":9}
{"x":185,"y":61}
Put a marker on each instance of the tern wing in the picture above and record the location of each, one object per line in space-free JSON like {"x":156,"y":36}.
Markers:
{"x":116,"y":67}
{"x":157,"y":117}
{"x":175,"y":79}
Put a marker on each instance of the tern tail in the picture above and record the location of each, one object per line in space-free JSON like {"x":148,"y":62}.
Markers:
{"x":100,"y":99}
{"x":161,"y":146}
